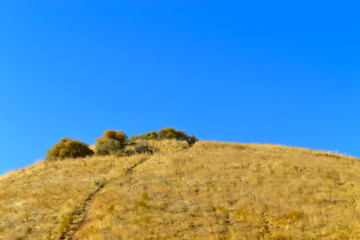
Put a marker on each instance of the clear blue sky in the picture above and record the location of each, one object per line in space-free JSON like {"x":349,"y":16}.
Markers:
{"x":281,"y":72}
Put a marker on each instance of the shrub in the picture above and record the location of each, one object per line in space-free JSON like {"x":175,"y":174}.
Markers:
{"x":68,"y":148}
{"x":190,"y":139}
{"x":133,"y":140}
{"x":109,"y":146}
{"x":166,"y":133}
{"x":147,"y":136}
{"x":151,"y":135}
{"x":111,"y":142}
{"x":118,"y":136}
{"x":144,"y":148}
{"x":171,"y":133}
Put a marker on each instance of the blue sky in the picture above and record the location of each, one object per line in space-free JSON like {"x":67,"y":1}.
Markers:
{"x":281,"y":72}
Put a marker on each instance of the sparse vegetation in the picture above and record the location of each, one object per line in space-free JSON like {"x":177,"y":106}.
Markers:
{"x":68,"y":148}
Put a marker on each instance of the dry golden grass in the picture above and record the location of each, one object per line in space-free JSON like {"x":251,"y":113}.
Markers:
{"x":209,"y":191}
{"x":37,"y":202}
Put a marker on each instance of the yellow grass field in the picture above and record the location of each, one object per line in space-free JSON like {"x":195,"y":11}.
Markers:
{"x":212,"y":190}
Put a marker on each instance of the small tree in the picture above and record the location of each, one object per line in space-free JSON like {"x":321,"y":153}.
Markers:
{"x":68,"y":148}
{"x":111,"y":142}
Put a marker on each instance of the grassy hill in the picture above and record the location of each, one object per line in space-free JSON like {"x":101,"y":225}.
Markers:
{"x":212,"y":190}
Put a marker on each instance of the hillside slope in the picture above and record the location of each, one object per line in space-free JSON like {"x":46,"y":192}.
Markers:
{"x":212,"y":190}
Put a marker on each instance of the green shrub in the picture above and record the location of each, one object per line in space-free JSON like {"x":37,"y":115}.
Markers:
{"x":111,"y":142}
{"x":147,"y":136}
{"x":111,"y":134}
{"x":109,"y":146}
{"x":68,"y":148}
{"x":133,"y":140}
{"x":166,"y":133}
{"x":171,"y":133}
{"x":190,"y":139}
{"x":151,"y":135}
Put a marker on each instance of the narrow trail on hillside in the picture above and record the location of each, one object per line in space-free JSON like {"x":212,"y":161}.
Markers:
{"x":80,"y":216}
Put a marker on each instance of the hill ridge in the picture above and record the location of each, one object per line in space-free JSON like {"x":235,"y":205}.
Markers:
{"x":212,"y":190}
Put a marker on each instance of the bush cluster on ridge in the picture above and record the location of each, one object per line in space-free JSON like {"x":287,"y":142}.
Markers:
{"x":114,"y":143}
{"x":166,"y":133}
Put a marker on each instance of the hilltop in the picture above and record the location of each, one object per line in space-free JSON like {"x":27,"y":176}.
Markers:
{"x":210,"y":190}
